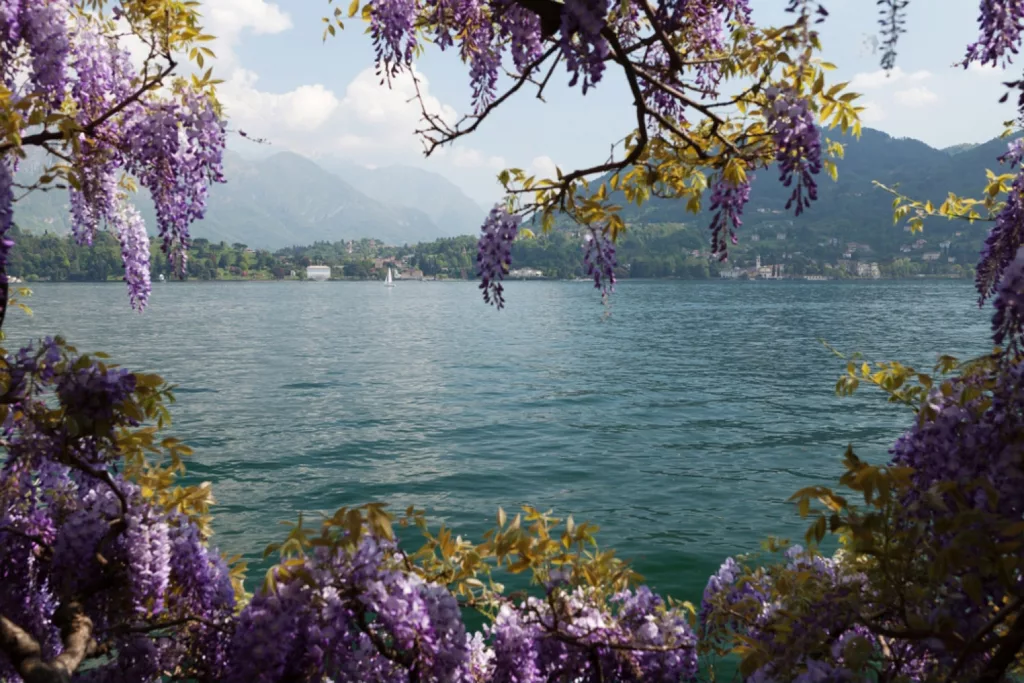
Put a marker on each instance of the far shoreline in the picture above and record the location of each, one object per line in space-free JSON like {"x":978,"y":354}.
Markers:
{"x":916,"y":278}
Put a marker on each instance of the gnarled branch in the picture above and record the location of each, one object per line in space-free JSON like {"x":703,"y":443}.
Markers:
{"x":26,"y":655}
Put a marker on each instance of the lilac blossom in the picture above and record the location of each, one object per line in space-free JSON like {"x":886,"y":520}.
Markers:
{"x":43,"y":29}
{"x":494,"y":253}
{"x":599,"y":260}
{"x":6,"y":216}
{"x":1007,"y":235}
{"x":584,"y":48}
{"x":797,"y":145}
{"x":1001,"y":23}
{"x":131,"y":233}
{"x":727,"y":202}
{"x":1008,"y":320}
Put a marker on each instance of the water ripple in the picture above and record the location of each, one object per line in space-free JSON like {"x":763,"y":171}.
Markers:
{"x":680,"y":423}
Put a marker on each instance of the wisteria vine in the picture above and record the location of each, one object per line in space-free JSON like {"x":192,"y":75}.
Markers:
{"x":103,"y":560}
{"x":672,"y":55}
{"x":122,"y":126}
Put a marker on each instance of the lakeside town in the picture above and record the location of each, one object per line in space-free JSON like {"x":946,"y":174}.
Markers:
{"x":648,"y":252}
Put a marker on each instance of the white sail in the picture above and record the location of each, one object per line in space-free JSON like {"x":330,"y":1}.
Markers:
{"x":388,"y":281}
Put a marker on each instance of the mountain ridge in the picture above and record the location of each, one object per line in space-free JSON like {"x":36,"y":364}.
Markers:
{"x":274,"y":202}
{"x":288,"y":199}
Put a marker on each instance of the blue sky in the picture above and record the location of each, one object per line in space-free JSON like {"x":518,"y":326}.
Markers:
{"x":322,"y":99}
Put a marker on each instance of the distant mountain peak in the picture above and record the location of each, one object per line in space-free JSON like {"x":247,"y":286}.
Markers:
{"x":957,"y":149}
{"x":451,"y":209}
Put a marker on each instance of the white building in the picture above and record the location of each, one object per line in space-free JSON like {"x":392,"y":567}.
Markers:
{"x":870,"y":270}
{"x":524,"y":273}
{"x":319,"y":273}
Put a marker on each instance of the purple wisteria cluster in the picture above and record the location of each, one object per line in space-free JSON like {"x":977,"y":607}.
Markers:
{"x":706,"y":23}
{"x":353,"y":616}
{"x":1008,"y":319}
{"x":172,"y":143}
{"x":599,"y":260}
{"x":94,"y":393}
{"x":972,"y":439}
{"x":1007,"y":235}
{"x":494,"y":253}
{"x":797,"y":145}
{"x":41,"y":26}
{"x":831,"y":619}
{"x":78,"y":538}
{"x":580,"y":31}
{"x":807,"y":618}
{"x":727,"y":202}
{"x":6,"y":217}
{"x":134,"y":240}
{"x":175,"y":149}
{"x":581,"y":42}
{"x":572,"y":634}
{"x":1001,"y":23}
{"x":354,"y":613}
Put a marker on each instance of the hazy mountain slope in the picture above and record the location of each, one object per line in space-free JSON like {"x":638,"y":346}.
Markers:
{"x":854,"y":209}
{"x":962,"y":147}
{"x":287,"y":200}
{"x":275,"y":202}
{"x":451,"y":210}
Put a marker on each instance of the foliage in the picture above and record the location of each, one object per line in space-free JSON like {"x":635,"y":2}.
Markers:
{"x":646,"y":251}
{"x":676,"y":62}
{"x":69,"y":88}
{"x":104,"y":555}
{"x":103,"y":552}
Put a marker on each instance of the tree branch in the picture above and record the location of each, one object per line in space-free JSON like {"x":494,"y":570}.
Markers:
{"x":449,"y":134}
{"x":543,"y":84}
{"x":641,"y":122}
{"x":980,"y":636}
{"x":41,"y":138}
{"x":674,"y":61}
{"x":38,"y":540}
{"x":26,"y":656}
{"x":1008,"y":651}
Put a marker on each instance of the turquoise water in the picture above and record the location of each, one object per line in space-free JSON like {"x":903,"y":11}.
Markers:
{"x":680,"y":422}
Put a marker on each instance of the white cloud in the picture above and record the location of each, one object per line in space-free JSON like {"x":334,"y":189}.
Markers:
{"x":543,"y":167}
{"x":392,"y":112}
{"x":881,"y":78}
{"x":987,"y":70}
{"x":873,"y":112}
{"x":915,"y":97}
{"x":369,"y":125}
{"x":305,"y":108}
{"x":467,"y":157}
{"x":228,"y":18}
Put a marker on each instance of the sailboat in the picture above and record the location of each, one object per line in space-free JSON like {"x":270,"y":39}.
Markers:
{"x":388,"y":282}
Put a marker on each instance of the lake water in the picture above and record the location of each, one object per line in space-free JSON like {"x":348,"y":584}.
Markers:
{"x":680,"y":422}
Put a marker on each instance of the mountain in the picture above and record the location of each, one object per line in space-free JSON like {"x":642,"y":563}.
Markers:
{"x":444,"y":201}
{"x":287,"y":200}
{"x":962,"y":147}
{"x":279,"y":201}
{"x":853,"y":209}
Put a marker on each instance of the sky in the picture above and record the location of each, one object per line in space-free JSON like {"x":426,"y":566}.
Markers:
{"x":323,"y":100}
